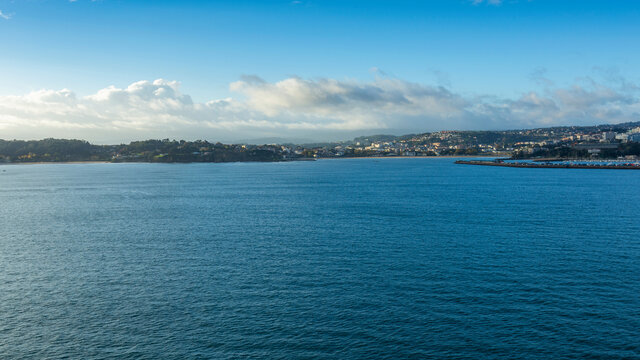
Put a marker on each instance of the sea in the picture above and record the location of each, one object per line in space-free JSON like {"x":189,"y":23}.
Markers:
{"x":331,"y":259}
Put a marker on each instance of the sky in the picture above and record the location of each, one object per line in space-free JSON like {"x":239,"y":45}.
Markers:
{"x":112,"y":71}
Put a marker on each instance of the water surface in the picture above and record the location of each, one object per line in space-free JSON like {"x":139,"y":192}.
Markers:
{"x":369,"y":258}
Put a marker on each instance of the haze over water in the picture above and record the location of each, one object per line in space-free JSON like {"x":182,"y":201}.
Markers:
{"x":390,"y":258}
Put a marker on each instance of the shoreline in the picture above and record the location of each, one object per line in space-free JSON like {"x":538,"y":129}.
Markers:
{"x":211,"y":162}
{"x":410,"y":157}
{"x":56,"y":162}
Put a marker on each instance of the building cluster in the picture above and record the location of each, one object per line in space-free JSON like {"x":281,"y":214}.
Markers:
{"x":594,"y":141}
{"x":441,"y":143}
{"x":496,"y":143}
{"x":604,"y":141}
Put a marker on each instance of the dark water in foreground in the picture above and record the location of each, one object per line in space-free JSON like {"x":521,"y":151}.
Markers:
{"x":398,"y":258}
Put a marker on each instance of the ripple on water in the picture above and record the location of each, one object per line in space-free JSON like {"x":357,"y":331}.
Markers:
{"x":328,"y":259}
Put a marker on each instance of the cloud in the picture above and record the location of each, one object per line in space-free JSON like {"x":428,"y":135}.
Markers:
{"x":539,"y":76}
{"x":5,"y":16}
{"x":313,"y":108}
{"x":489,"y":2}
{"x":349,"y":104}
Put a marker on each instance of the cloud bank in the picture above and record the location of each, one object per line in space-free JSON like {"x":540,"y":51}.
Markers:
{"x":317,"y":109}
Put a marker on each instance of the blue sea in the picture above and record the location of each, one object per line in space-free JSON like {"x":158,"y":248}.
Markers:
{"x":332,"y":259}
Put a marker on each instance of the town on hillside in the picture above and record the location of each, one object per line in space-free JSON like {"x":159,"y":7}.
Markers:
{"x":621,"y":141}
{"x":585,"y":141}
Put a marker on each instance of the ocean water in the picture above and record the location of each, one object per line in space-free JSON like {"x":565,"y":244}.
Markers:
{"x":350,"y":259}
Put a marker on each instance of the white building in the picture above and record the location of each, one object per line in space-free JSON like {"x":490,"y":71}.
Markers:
{"x":608,"y":136}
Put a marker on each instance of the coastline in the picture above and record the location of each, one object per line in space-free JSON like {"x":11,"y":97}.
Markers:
{"x":410,"y":157}
{"x":56,"y":162}
{"x":196,"y":162}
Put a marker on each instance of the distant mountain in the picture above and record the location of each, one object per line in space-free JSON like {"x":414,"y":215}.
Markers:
{"x":273,"y":140}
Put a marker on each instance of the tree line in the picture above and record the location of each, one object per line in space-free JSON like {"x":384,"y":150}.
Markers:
{"x":58,"y":150}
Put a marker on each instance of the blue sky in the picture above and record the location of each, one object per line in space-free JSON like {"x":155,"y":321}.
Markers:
{"x":488,"y":55}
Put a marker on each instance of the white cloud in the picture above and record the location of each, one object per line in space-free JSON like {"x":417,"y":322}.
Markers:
{"x":349,"y":104}
{"x":4,"y":16}
{"x":490,"y":2}
{"x":295,"y":107}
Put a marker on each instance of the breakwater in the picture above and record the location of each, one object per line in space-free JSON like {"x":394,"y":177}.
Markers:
{"x":622,"y":166}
